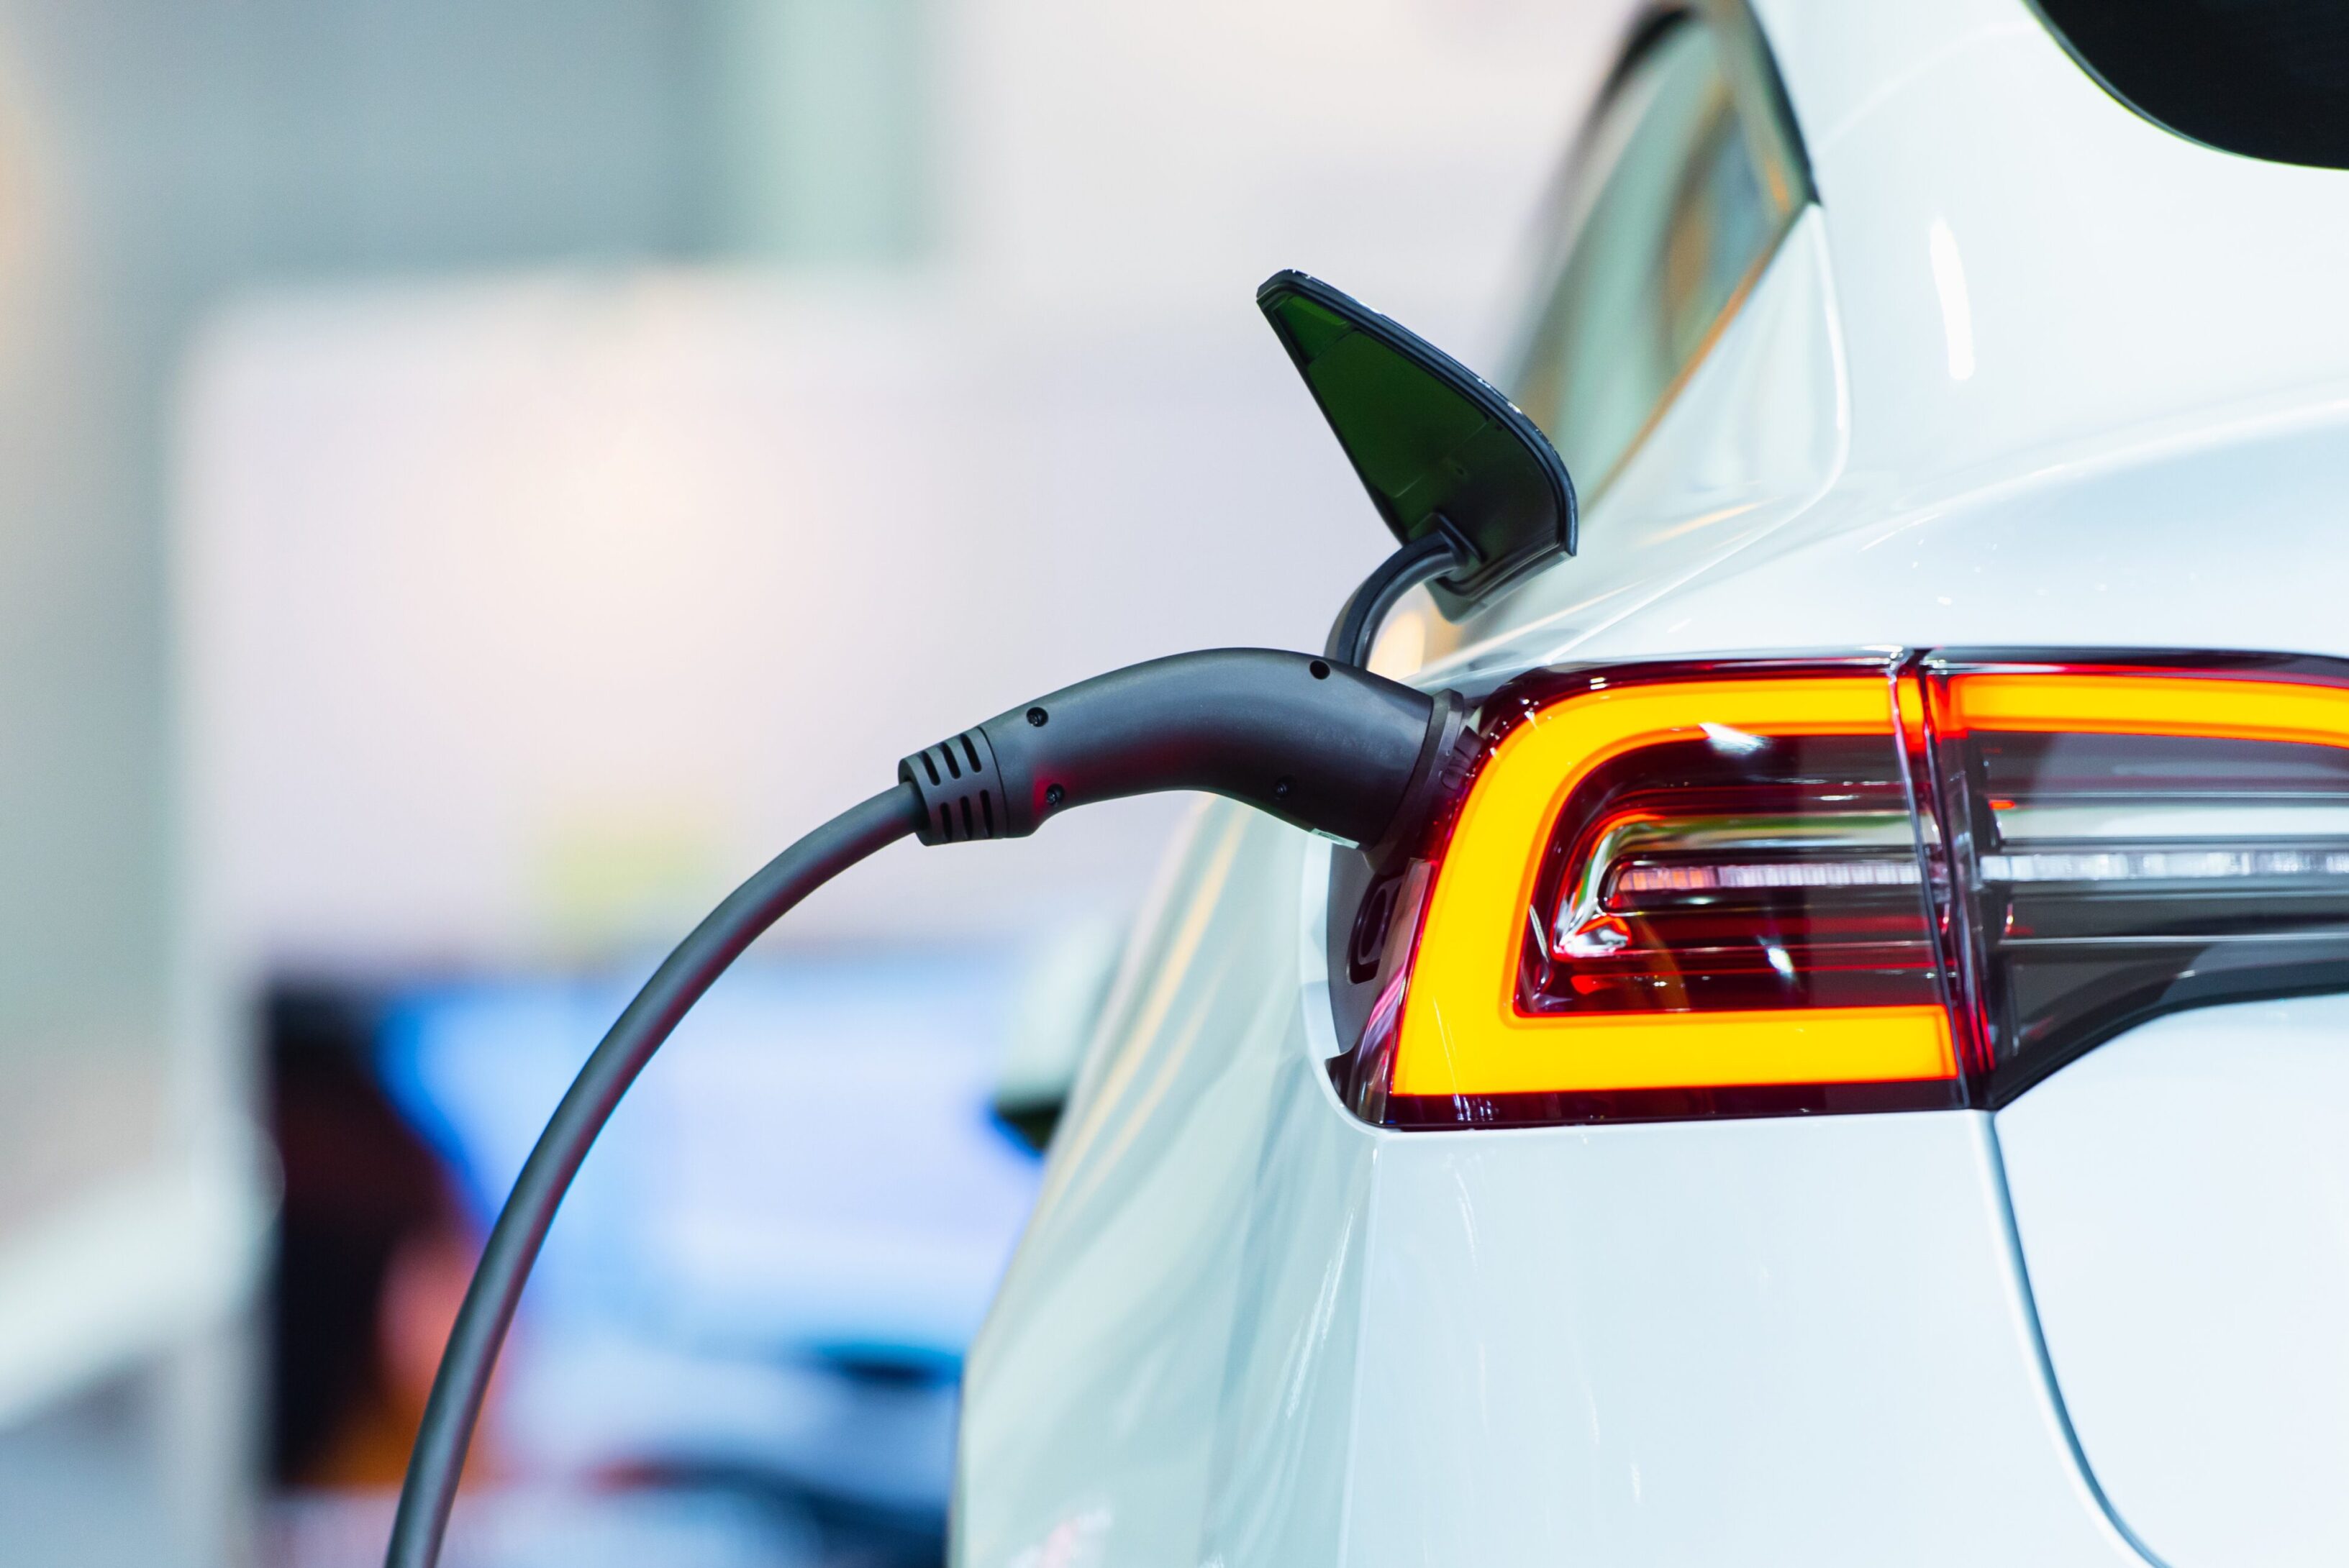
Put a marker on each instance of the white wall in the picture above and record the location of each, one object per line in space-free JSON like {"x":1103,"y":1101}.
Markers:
{"x":1174,"y":155}
{"x":529,"y":611}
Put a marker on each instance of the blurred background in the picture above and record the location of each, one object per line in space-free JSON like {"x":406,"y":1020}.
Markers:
{"x":476,"y":478}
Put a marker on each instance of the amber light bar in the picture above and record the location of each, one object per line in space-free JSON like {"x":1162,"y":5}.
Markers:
{"x":2173,"y":703}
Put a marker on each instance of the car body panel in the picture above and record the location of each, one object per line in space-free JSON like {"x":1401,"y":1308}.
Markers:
{"x":2136,"y":301}
{"x":2182,"y":1195}
{"x":1245,"y":1327}
{"x":1182,"y":1200}
{"x":2117,"y":276}
{"x":1987,"y":393}
{"x":1780,"y":1340}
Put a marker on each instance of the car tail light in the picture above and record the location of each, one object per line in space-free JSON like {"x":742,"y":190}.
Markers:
{"x":1920,"y":883}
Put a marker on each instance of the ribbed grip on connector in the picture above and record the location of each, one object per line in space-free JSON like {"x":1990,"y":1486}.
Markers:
{"x":961,"y":790}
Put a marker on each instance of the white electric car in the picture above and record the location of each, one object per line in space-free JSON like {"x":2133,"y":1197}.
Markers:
{"x":1863,"y":1075}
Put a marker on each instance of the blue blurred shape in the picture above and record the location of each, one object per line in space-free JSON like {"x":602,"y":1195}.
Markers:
{"x":778,"y":1252}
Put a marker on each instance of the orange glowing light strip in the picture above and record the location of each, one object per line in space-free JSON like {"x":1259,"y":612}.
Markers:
{"x":2205,"y":707}
{"x":1462,"y":1033}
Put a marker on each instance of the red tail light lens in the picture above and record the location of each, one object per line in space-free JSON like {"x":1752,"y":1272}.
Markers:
{"x":1741,"y":871}
{"x":1756,"y":889}
{"x":2141,"y":838}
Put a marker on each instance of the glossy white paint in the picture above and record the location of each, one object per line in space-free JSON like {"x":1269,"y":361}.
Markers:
{"x":1244,"y":1327}
{"x":2034,"y":372}
{"x":2182,"y":1194}
{"x":1773,"y":1341}
{"x":2143,"y":451}
{"x":1169,"y":1369}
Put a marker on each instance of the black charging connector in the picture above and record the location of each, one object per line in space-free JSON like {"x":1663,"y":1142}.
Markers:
{"x":1312,"y":741}
{"x":1320,"y":744}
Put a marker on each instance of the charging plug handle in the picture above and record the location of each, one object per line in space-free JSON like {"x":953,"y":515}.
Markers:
{"x":1317,"y":743}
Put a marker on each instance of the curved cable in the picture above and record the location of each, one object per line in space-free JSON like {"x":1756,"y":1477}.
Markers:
{"x":458,"y":1391}
{"x":1431,"y":554}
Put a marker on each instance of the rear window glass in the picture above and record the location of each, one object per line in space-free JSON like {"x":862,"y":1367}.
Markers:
{"x":2267,"y":79}
{"x":1677,"y":210}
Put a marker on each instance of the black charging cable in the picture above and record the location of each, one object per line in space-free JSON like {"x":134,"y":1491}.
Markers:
{"x":463,"y":1379}
{"x":1315,"y":742}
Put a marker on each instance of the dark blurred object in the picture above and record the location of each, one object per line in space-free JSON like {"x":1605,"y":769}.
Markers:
{"x":2267,"y":79}
{"x":1032,"y":1121}
{"x":1060,"y":1006}
{"x":367,"y":1223}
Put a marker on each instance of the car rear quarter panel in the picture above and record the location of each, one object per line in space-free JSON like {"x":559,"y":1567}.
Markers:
{"x":1245,"y":1329}
{"x":2182,"y":1193}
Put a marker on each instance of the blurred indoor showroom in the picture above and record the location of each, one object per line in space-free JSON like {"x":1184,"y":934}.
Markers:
{"x":478,"y":478}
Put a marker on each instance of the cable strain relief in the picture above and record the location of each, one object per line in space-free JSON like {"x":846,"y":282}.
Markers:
{"x":960,"y":789}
